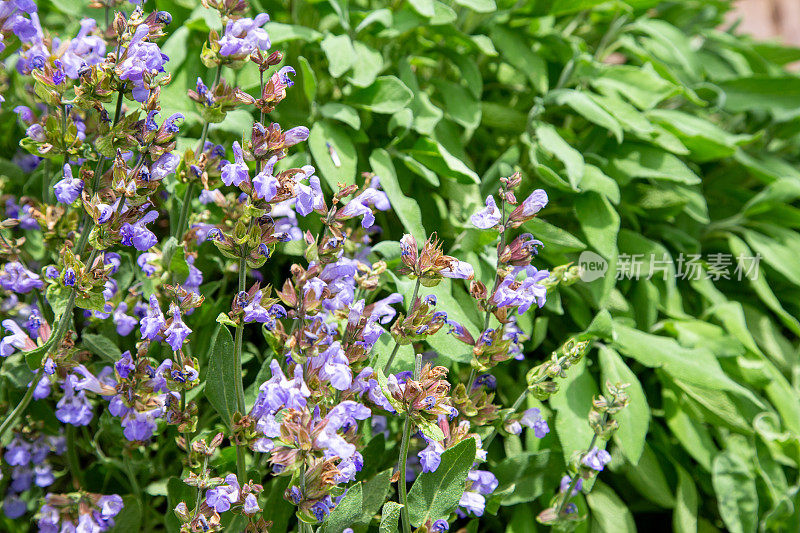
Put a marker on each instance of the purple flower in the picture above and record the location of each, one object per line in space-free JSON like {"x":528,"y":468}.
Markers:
{"x":458,"y":270}
{"x":565,"y":483}
{"x":488,"y":217}
{"x":125,"y":323}
{"x":139,"y":426}
{"x":483,"y":481}
{"x":511,"y":293}
{"x":49,"y":519}
{"x":530,"y":206}
{"x":596,"y":459}
{"x":532,"y":418}
{"x":295,"y":135}
{"x":431,"y":456}
{"x":74,"y":408}
{"x":472,"y":502}
{"x":173,"y":123}
{"x":25,"y":114}
{"x":17,"y":339}
{"x":335,"y":367}
{"x":251,"y":504}
{"x":18,"y":452}
{"x":235,"y":173}
{"x":211,"y":197}
{"x":144,"y":263}
{"x":309,"y":197}
{"x":42,"y":389}
{"x":355,"y":208}
{"x":139,"y":58}
{"x":253,"y":311}
{"x":220,"y":498}
{"x":105,"y":212}
{"x":113,"y":259}
{"x":177,"y":332}
{"x":84,"y":50}
{"x":109,"y":506}
{"x":440,"y":526}
{"x":245,"y":36}
{"x":137,"y":234}
{"x":164,"y":166}
{"x":69,"y":277}
{"x":265,"y":184}
{"x":16,"y":278}
{"x":14,"y":506}
{"x":152,"y":323}
{"x":43,"y":475}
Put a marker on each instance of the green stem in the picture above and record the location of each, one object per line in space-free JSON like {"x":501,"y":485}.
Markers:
{"x":187,"y":196}
{"x":401,"y":488}
{"x":488,"y":315}
{"x":22,"y":405}
{"x":72,"y":457}
{"x":118,"y":109}
{"x":237,"y":366}
{"x":521,"y":398}
{"x":575,"y":478}
{"x":397,"y":344}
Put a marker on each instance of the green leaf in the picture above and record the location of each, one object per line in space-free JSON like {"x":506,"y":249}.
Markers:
{"x":599,"y":222}
{"x":737,"y":495}
{"x":460,"y":105}
{"x":528,"y":474}
{"x":101,"y":345}
{"x":130,"y":517}
{"x":434,"y":495}
{"x":390,"y":515}
{"x":220,"y":380}
{"x":706,"y":140}
{"x":515,"y":49}
{"x":423,"y":7}
{"x":367,"y":65}
{"x":323,"y":133}
{"x":407,"y":210}
{"x":739,"y":249}
{"x":648,"y":478}
{"x":632,"y":161}
{"x":551,"y":141}
{"x":642,"y":86}
{"x":696,"y":366}
{"x":684,"y":516}
{"x":609,"y":512}
{"x":280,"y":33}
{"x":582,"y":104}
{"x":386,"y":95}
{"x":342,"y":113}
{"x":554,"y":236}
{"x":430,"y":429}
{"x":481,"y":6}
{"x":308,"y":78}
{"x":340,"y":53}
{"x":346,"y":512}
{"x":777,"y":95}
{"x":634,"y":420}
{"x":572,"y":404}
{"x":177,"y":491}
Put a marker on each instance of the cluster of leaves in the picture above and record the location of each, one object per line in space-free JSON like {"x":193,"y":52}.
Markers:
{"x":655,"y":132}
